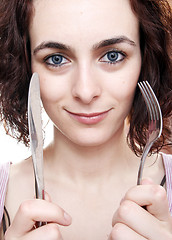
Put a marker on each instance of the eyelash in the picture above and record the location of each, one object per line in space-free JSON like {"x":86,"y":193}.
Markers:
{"x":49,"y":59}
{"x":116,"y":60}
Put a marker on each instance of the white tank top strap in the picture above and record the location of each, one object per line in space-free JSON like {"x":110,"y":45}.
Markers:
{"x":4,"y":174}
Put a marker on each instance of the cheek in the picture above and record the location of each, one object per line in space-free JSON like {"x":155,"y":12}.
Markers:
{"x":123,"y":88}
{"x":52,"y":90}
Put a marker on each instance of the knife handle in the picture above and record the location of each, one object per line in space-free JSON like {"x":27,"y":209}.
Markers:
{"x":39,"y":195}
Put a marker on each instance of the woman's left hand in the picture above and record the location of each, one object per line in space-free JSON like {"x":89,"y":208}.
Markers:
{"x":134,"y":221}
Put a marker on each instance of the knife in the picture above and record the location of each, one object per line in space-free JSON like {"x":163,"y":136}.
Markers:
{"x":35,"y":134}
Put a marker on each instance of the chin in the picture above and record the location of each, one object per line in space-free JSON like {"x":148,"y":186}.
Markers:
{"x":90,"y":140}
{"x":90,"y":137}
{"x":89,"y":143}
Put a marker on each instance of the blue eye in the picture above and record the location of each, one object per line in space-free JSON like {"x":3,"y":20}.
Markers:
{"x":56,"y":60}
{"x":113,"y":57}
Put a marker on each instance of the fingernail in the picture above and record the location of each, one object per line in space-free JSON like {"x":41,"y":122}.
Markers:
{"x":147,"y":181}
{"x":47,"y":196}
{"x":121,"y":200}
{"x":67,"y":217}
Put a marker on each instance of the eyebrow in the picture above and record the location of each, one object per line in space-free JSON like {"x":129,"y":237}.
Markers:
{"x":115,"y":40}
{"x":55,"y":45}
{"x":104,"y":43}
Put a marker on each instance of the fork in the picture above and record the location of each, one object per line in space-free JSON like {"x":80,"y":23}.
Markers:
{"x":155,"y":122}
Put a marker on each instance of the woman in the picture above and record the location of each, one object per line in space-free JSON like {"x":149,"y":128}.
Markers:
{"x":89,"y":56}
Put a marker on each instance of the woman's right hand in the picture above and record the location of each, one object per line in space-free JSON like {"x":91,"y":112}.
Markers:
{"x":32,"y":211}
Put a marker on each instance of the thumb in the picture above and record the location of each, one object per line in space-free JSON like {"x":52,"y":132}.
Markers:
{"x":147,"y":181}
{"x":158,"y":196}
{"x":47,"y":197}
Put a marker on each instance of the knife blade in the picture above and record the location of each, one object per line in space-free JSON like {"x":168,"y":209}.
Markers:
{"x":35,"y":134}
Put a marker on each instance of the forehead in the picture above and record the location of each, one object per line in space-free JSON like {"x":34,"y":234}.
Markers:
{"x":82,"y":19}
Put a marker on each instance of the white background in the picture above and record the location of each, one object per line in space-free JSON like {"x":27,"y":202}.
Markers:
{"x":12,"y":151}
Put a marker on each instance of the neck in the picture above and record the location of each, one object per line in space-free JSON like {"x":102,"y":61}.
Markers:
{"x":96,"y":162}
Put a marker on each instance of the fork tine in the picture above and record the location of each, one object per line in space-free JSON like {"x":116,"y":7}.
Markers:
{"x":156,"y":105}
{"x":151,"y":100}
{"x":152,"y":95}
{"x":155,"y":122}
{"x":147,"y":99}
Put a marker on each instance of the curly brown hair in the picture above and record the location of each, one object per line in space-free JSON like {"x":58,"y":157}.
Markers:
{"x":155,"y":19}
{"x":14,"y":66}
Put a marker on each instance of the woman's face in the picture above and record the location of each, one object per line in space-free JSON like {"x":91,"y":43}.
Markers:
{"x":87,"y":55}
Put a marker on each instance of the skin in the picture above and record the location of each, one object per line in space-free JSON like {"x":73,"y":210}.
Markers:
{"x":170,"y":2}
{"x":80,"y":85}
{"x":92,"y":192}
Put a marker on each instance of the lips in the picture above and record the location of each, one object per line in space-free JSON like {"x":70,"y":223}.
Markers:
{"x":89,"y":118}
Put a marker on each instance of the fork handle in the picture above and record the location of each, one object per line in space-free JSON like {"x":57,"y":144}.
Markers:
{"x":142,"y":162}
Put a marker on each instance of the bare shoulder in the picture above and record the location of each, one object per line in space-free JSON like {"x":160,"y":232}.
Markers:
{"x":22,"y":168}
{"x":20,"y":185}
{"x":21,"y":174}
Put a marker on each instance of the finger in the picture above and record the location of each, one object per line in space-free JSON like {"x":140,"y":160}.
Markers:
{"x":152,"y":196}
{"x":139,"y":220}
{"x":50,"y":231}
{"x":123,"y":232}
{"x":33,"y":211}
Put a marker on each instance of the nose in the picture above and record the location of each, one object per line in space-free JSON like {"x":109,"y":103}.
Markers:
{"x":86,"y":87}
